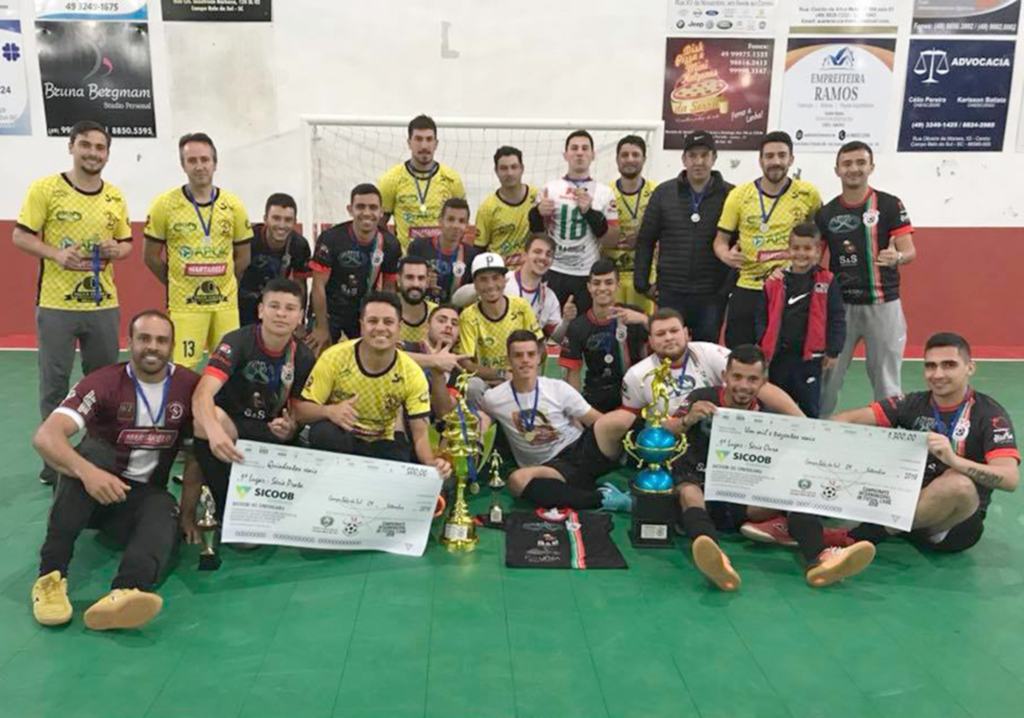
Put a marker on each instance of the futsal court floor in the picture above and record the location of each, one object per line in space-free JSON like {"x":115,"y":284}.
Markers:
{"x":287,"y":632}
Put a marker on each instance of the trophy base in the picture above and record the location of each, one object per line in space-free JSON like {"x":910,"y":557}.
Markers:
{"x":655,"y":516}
{"x":459,"y":538}
{"x":209,"y":562}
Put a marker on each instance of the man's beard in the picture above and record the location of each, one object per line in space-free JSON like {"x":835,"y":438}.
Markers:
{"x":407,"y":295}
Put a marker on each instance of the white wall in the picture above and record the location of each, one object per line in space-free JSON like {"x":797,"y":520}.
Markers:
{"x":248,"y":84}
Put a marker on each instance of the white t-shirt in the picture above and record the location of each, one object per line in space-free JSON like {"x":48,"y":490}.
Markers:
{"x":557,"y":405}
{"x":543,"y":301}
{"x":576,"y":246}
{"x":701,"y":365}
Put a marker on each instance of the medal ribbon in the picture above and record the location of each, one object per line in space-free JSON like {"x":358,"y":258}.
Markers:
{"x":682,"y":375}
{"x":458,"y":256}
{"x":635,"y":210}
{"x":422,"y":195}
{"x":98,"y":289}
{"x":375,"y":269}
{"x":760,"y":198}
{"x":962,"y":412}
{"x":536,"y":402}
{"x":538,"y":293}
{"x":696,"y":198}
{"x":621,"y":345}
{"x":281,"y":398}
{"x":145,"y":402}
{"x":207,"y":226}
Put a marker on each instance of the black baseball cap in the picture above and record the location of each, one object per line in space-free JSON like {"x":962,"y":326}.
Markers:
{"x":699,"y":139}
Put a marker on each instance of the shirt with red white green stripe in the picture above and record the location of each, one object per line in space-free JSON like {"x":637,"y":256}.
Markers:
{"x":855,"y":234}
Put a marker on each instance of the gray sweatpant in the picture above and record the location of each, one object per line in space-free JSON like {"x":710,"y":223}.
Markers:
{"x":884,"y":331}
{"x":58,"y":331}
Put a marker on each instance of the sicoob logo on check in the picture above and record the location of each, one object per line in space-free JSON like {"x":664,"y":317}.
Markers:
{"x":751,"y":458}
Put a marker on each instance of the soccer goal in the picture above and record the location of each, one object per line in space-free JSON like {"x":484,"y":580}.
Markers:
{"x":342,"y":152}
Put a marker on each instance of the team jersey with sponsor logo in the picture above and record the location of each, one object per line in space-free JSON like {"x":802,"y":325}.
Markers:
{"x":698,"y":437}
{"x":576,"y":245}
{"x":66,"y":216}
{"x":631,"y":215}
{"x":764,"y":250}
{"x":258,"y":382}
{"x":979,"y":429}
{"x":561,"y":539}
{"x":608,"y":349}
{"x":504,"y":228}
{"x":339,"y":375}
{"x":855,"y":234}
{"x":200,"y":267}
{"x":123,"y":435}
{"x":417,"y":333}
{"x":702,"y":365}
{"x":414,"y":200}
{"x":484,"y":339}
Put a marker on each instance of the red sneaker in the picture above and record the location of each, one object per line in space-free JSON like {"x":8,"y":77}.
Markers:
{"x":774,"y":530}
{"x":839,"y":536}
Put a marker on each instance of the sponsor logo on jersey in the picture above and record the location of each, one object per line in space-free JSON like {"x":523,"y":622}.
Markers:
{"x":66,"y":215}
{"x":205,"y":294}
{"x":147,"y":438}
{"x":217,"y":269}
{"x":85,"y":291}
{"x":187,"y":253}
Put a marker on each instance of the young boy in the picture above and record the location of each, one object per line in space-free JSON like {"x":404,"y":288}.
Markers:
{"x":803,"y":325}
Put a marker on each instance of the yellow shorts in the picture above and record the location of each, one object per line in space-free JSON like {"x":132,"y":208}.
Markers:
{"x":628,"y":295}
{"x":196,"y":332}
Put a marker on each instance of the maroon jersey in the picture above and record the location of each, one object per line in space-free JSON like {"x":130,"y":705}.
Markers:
{"x":121,"y":434}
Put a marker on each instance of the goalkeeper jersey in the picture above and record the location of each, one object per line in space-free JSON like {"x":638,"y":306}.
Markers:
{"x":414,"y":199}
{"x":576,"y":245}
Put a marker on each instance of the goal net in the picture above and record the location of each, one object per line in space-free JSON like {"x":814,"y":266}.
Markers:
{"x":345,"y":151}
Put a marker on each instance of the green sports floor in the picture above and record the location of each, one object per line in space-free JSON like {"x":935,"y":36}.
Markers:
{"x":284,"y":632}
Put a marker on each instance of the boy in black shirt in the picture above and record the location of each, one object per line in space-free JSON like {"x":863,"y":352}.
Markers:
{"x":248,"y":383}
{"x":803,"y":325}
{"x":609,"y":339}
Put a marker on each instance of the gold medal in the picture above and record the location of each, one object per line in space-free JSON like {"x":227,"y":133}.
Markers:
{"x":529,"y":436}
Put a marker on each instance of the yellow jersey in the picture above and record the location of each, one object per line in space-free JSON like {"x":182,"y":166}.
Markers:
{"x":200,"y":261}
{"x":416,"y":333}
{"x":631,"y":214}
{"x":484,"y":339}
{"x":68,"y":217}
{"x":504,"y":228}
{"x":765,"y":244}
{"x":338,"y":375}
{"x":414,"y":200}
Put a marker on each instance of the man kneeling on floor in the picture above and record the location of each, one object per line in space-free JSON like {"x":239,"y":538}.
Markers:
{"x":135,"y":416}
{"x":743,"y":378}
{"x":541,"y":417}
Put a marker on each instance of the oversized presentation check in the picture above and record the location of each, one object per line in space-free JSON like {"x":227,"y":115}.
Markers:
{"x":825,"y":468}
{"x":289,"y":496}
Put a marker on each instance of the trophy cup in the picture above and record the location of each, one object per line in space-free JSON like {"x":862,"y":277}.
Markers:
{"x":496,"y":513}
{"x":207,"y":525}
{"x":462,"y":449}
{"x":655,"y":508}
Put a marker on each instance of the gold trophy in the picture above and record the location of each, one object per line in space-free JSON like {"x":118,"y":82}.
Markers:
{"x":207,"y":525}
{"x":496,"y":513}
{"x":462,"y":448}
{"x":656,"y":449}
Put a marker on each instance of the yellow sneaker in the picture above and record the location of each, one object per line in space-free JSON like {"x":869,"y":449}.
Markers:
{"x":834,"y":563}
{"x":123,"y":608}
{"x":713,"y":563}
{"x":50,"y":604}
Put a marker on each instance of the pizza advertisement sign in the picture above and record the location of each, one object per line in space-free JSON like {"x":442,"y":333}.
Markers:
{"x":717,"y":85}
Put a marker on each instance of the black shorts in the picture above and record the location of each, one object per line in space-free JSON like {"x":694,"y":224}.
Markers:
{"x":960,"y":538}
{"x":581,"y":464}
{"x":726,"y":516}
{"x":254,"y":430}
{"x":565,"y":284}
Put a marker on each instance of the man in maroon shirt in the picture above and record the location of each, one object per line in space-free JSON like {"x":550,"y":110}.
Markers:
{"x":135,"y":416}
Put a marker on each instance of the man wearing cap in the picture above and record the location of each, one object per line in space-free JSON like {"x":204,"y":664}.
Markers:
{"x":485,"y":325}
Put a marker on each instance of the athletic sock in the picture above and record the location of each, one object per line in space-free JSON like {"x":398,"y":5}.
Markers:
{"x":552,"y":493}
{"x":869,"y":532}
{"x":696,"y":522}
{"x":809,"y":534}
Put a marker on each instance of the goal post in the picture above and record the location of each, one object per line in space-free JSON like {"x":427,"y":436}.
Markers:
{"x":342,"y":152}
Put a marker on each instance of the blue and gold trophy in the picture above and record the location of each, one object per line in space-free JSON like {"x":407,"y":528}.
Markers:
{"x":462,"y":449}
{"x":655,"y":448}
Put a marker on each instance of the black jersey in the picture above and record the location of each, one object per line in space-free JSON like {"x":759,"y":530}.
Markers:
{"x":855,"y":235}
{"x":979,"y":428}
{"x":258,"y":382}
{"x":608,"y":349}
{"x":290,"y":261}
{"x":450,"y":270}
{"x":691,"y":467}
{"x":569,"y":539}
{"x":355,"y":269}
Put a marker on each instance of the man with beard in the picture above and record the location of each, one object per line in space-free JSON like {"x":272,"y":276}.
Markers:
{"x":632,"y":195}
{"x":503,"y":219}
{"x":763,"y":213}
{"x":416,"y":308}
{"x":198,"y":241}
{"x":277,"y":251}
{"x":743,"y":379}
{"x":869,"y":237}
{"x":246,"y":390}
{"x":581,"y":216}
{"x":528,"y":283}
{"x":354,"y":393}
{"x":351,"y":261}
{"x":680,"y":224}
{"x":447,"y":255}
{"x":135,"y":416}
{"x":77,"y":225}
{"x":414,"y":191}
{"x":434,"y":354}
